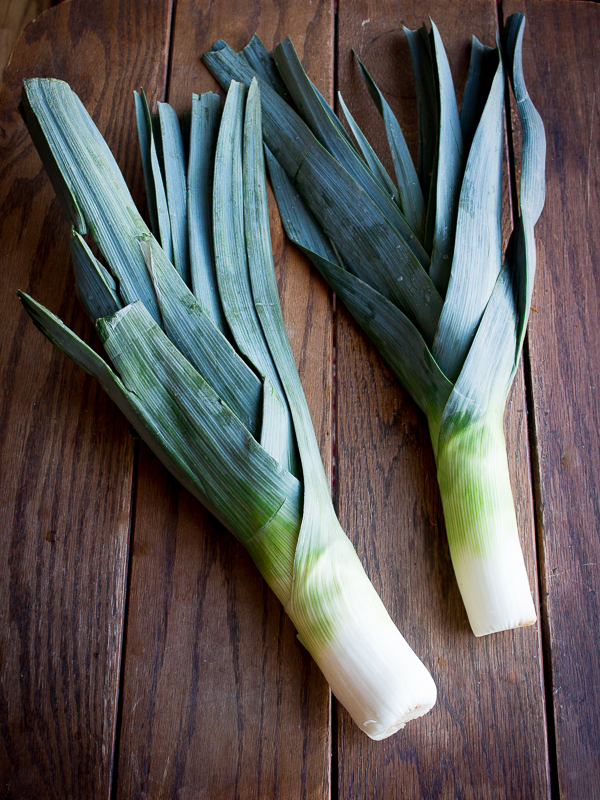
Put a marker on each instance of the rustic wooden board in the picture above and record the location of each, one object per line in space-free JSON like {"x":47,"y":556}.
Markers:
{"x":219,"y":698}
{"x":67,"y":459}
{"x":14,"y":16}
{"x":486,"y":737}
{"x":562,"y":57}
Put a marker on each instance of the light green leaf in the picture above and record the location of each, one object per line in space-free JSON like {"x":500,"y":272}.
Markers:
{"x":485,"y":378}
{"x":192,"y":331}
{"x":232,"y":264}
{"x":89,"y":182}
{"x":409,"y":188}
{"x":174,"y":169}
{"x":204,"y":130}
{"x":149,"y":135}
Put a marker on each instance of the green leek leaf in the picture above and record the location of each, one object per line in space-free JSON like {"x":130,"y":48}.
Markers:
{"x":144,"y":128}
{"x":331,"y":134}
{"x":393,"y":334}
{"x":290,"y":139}
{"x":521,"y":250}
{"x":96,"y":289}
{"x":478,"y":242}
{"x":259,"y":60}
{"x":411,"y":196}
{"x":354,"y":223}
{"x":427,"y":104}
{"x":192,"y":331}
{"x":375,"y":165}
{"x":232,"y":267}
{"x":174,"y":168}
{"x":482,"y":69}
{"x":447,"y":172}
{"x":149,"y":136}
{"x":80,"y":164}
{"x":204,"y":130}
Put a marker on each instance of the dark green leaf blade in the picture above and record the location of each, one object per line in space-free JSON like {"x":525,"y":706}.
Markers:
{"x":331,"y":134}
{"x":448,"y":171}
{"x":412,"y":202}
{"x":391,"y":331}
{"x":482,"y":68}
{"x":356,"y":225}
{"x":521,"y":250}
{"x":261,"y":62}
{"x":369,"y":155}
{"x":96,"y":290}
{"x":478,"y":243}
{"x":427,"y":104}
{"x":144,"y":128}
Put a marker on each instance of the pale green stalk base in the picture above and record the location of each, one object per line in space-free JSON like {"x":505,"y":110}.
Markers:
{"x":482,"y":528}
{"x":344,"y":625}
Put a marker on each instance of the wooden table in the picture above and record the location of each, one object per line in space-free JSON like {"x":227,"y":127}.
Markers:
{"x":141,"y":653}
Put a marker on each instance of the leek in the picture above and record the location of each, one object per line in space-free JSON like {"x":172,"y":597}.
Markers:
{"x":202,"y":367}
{"x":419,"y":264}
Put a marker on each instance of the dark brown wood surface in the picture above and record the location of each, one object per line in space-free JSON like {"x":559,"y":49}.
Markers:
{"x":141,"y":653}
{"x":67,"y":459}
{"x":562,"y":65}
{"x":14,"y":16}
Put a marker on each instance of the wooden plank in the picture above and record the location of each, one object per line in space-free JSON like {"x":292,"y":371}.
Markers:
{"x":15,"y":15}
{"x":562,"y":55}
{"x":486,"y":736}
{"x":220,"y":700}
{"x":66,"y":461}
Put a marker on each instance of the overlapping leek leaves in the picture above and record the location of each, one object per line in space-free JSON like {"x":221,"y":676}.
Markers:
{"x":419,"y":264}
{"x":202,"y":367}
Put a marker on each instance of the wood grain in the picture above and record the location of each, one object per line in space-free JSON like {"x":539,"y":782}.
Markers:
{"x":14,"y":16}
{"x":486,"y":737}
{"x":561,"y":62}
{"x":219,"y":698}
{"x":66,"y":461}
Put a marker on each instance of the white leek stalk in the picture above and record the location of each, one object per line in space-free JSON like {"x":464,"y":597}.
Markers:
{"x":235,"y":431}
{"x":482,"y":528}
